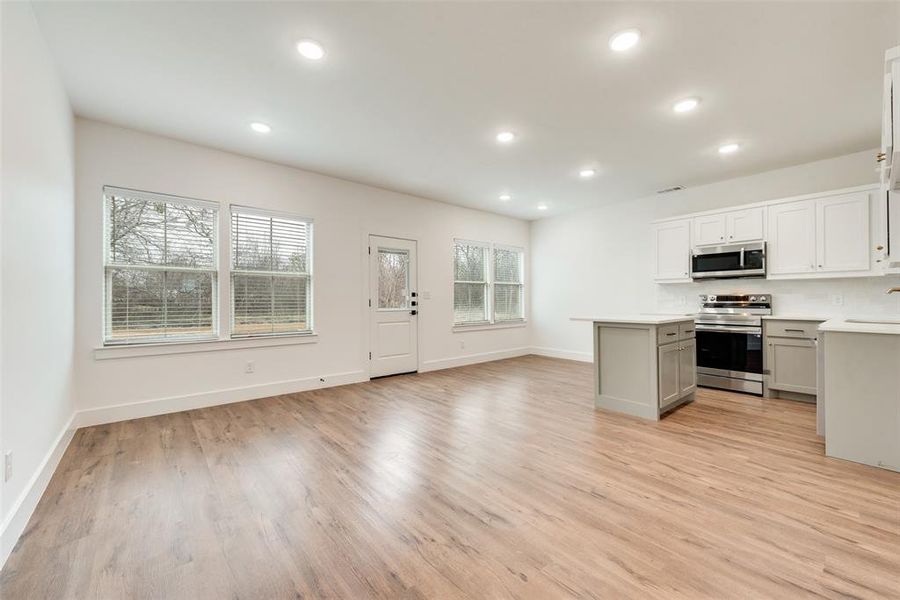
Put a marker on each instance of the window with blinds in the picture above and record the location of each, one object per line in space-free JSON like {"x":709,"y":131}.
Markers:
{"x":271,"y":279}
{"x":488,"y":284}
{"x":509,"y":287}
{"x":160,"y":267}
{"x":470,"y":283}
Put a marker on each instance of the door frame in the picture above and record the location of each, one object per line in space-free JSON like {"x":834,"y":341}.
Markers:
{"x":366,"y":291}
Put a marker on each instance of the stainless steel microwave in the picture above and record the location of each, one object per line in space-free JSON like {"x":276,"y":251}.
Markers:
{"x":732,"y":260}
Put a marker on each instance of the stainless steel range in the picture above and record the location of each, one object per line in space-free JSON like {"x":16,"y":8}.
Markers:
{"x":729,"y":341}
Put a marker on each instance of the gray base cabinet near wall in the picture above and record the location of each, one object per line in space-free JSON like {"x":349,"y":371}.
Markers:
{"x":644,"y":365}
{"x":790,"y":358}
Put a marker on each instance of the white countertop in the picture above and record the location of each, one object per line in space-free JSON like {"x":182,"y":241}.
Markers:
{"x":794,"y":318}
{"x":841,"y":325}
{"x":637,"y":319}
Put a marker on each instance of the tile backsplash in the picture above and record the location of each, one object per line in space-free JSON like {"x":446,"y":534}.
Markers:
{"x":863,"y":296}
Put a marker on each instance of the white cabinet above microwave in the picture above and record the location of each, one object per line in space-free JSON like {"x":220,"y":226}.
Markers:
{"x":745,"y":225}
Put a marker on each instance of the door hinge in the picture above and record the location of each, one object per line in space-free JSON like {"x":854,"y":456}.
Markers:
{"x":370,"y":356}
{"x":370,"y":303}
{"x":370,"y":250}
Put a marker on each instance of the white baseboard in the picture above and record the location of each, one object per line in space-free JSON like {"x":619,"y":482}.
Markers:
{"x":161,"y":406}
{"x":21,"y":510}
{"x":471,"y":359}
{"x":567,"y":354}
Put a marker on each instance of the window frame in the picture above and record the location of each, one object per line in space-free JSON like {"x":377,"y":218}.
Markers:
{"x":309,"y":275}
{"x":107,"y":266}
{"x":492,"y":322}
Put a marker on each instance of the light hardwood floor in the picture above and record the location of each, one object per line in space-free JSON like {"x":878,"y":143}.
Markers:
{"x":491,"y":481}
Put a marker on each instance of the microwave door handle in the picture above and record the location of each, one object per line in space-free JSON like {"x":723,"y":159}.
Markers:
{"x":742,"y":257}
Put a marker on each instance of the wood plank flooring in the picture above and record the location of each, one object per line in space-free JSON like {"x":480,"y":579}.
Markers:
{"x":496,"y":480}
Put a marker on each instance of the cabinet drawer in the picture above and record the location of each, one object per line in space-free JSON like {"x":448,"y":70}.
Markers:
{"x":792,"y":329}
{"x":667,"y":333}
{"x":686,"y":331}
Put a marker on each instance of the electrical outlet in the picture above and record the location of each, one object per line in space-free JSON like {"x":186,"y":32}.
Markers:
{"x":251,"y":367}
{"x":837,"y":299}
{"x":7,"y":466}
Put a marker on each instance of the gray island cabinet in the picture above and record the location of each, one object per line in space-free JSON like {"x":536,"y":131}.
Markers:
{"x":644,"y":365}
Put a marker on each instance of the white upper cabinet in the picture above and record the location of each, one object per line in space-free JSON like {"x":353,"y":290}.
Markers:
{"x":842,"y":233}
{"x":672,"y":251}
{"x":747,"y":225}
{"x":709,"y":230}
{"x":792,"y":238}
{"x":824,"y":236}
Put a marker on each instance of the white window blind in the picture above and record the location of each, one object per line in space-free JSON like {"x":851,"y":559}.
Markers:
{"x":509,"y":287}
{"x":470,"y":283}
{"x":271,"y":279}
{"x":488,"y":285}
{"x":160,"y":267}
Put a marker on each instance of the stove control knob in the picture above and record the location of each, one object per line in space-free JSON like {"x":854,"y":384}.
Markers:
{"x":712,"y":298}
{"x":702,"y":297}
{"x":762,"y":298}
{"x":752,"y":298}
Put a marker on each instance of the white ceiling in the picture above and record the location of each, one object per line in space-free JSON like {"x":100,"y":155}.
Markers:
{"x":410,"y":95}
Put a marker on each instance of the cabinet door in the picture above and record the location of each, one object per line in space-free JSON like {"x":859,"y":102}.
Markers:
{"x":746,"y":225}
{"x":709,"y":230}
{"x":669,"y":372}
{"x":842,"y":233}
{"x":792,"y":238}
{"x":672,"y":251}
{"x":687,"y":368}
{"x":791,"y":364}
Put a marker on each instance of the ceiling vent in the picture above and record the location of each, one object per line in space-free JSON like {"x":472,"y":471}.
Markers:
{"x":674,"y":188}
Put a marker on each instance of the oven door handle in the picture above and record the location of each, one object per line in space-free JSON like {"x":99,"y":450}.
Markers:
{"x":729,"y":329}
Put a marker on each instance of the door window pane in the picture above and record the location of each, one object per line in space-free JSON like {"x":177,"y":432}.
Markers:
{"x":393,"y":279}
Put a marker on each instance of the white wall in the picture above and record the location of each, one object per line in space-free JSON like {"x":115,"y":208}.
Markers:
{"x":36,"y":399}
{"x":344,"y":213}
{"x":598,"y":261}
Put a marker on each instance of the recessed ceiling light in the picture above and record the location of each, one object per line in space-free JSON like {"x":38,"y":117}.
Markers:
{"x":505,"y":137}
{"x":686,"y":105}
{"x":260,"y":127}
{"x":542,"y":207}
{"x":587,"y":173}
{"x":311,"y":49}
{"x":728,"y":148}
{"x":624,"y":40}
{"x":505,"y":197}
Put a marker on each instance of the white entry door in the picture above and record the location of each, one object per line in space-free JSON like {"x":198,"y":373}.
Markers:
{"x":393,"y":306}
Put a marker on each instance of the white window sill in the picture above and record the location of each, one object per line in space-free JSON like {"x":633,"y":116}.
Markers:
{"x":485,"y":326}
{"x":163,"y":348}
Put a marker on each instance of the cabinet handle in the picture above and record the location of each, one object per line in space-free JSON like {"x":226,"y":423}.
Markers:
{"x":671,"y":334}
{"x":879,"y":247}
{"x":794,"y":330}
{"x":880,"y":157}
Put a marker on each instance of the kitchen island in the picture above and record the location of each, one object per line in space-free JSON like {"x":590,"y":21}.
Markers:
{"x":861,"y":367}
{"x":644,"y":365}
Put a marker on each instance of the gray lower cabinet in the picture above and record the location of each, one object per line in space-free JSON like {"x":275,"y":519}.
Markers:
{"x":669,"y":374}
{"x":790,"y":359}
{"x":687,"y":367}
{"x":677,"y":371}
{"x":792,"y":365}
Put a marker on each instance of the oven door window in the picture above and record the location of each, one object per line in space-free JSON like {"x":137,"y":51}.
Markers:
{"x":730,"y":351}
